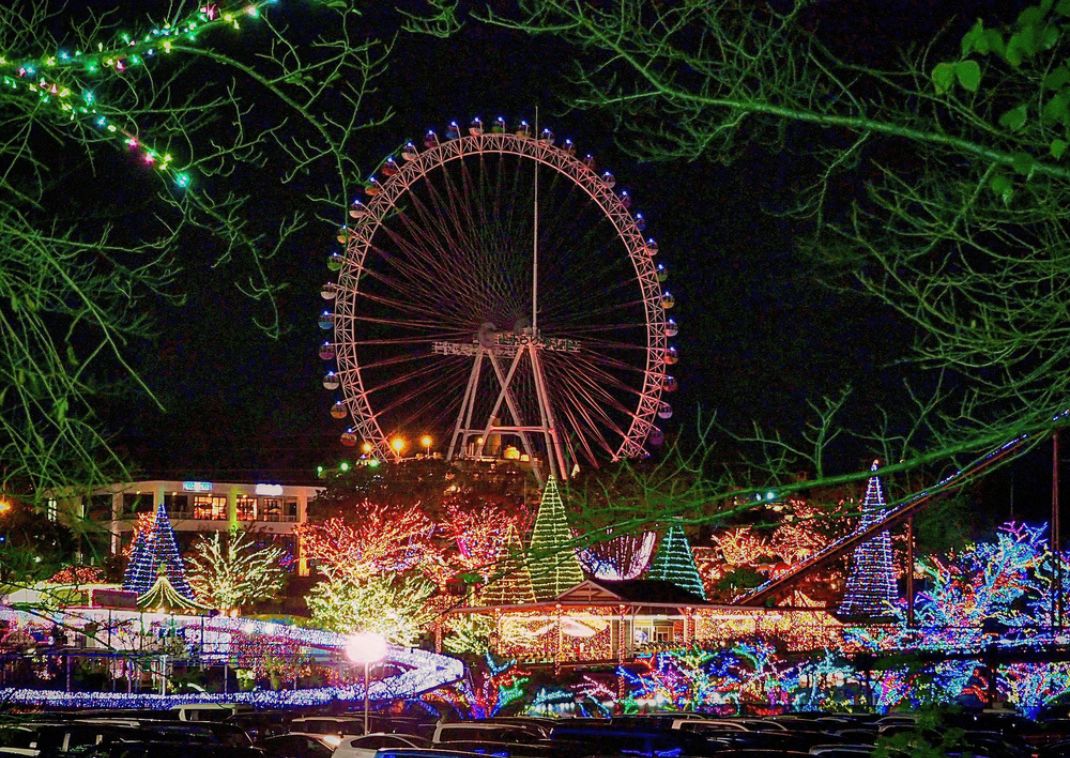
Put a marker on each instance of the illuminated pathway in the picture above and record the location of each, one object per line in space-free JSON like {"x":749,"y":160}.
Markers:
{"x":412,"y":671}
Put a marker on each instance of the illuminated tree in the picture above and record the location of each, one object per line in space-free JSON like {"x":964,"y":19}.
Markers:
{"x":468,"y":633}
{"x":154,"y":552}
{"x":480,"y":532}
{"x":230,"y":571}
{"x":511,"y":578}
{"x":552,"y":559}
{"x":375,"y":539}
{"x":871,"y":584}
{"x":395,"y":607}
{"x":490,"y":687}
{"x":674,"y":563}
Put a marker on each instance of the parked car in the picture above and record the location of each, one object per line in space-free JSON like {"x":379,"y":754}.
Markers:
{"x":365,"y":746}
{"x":466,"y":731}
{"x":296,"y":746}
{"x":206,"y":711}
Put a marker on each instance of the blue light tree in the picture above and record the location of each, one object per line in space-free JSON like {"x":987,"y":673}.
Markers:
{"x":154,"y":552}
{"x":871,"y":588}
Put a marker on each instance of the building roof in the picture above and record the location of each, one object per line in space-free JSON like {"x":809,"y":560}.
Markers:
{"x":635,"y":591}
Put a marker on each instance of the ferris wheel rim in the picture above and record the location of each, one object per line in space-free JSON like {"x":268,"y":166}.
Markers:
{"x":413,"y":170}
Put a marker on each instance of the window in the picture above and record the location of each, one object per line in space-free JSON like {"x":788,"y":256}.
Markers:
{"x":138,"y":503}
{"x":210,"y":507}
{"x":269,"y":509}
{"x":246,"y":507}
{"x":291,"y":510}
{"x":52,"y":509}
{"x":99,"y":508}
{"x":177,"y":505}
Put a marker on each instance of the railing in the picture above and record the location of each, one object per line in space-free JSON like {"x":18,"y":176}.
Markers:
{"x":888,"y":518}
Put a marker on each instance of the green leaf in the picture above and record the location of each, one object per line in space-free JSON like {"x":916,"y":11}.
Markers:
{"x":1057,"y":78}
{"x":975,"y":40}
{"x":943,"y":77}
{"x":1031,"y":16}
{"x":1014,"y":119}
{"x":1013,"y":53}
{"x":1056,"y":110}
{"x":1023,"y":163}
{"x":1024,"y":42}
{"x":1058,"y":147}
{"x":1063,"y":7}
{"x":994,"y":40}
{"x":1003,"y":187}
{"x":1049,"y":36}
{"x":969,"y":75}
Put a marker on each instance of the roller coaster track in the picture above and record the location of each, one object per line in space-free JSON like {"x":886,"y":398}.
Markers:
{"x":891,"y":517}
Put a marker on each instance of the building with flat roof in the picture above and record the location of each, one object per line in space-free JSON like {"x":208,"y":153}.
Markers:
{"x":270,"y":510}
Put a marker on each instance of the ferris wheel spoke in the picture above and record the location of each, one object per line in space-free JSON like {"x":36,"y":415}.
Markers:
{"x":403,"y":400}
{"x":591,"y":414}
{"x":595,"y":384}
{"x":422,"y":260}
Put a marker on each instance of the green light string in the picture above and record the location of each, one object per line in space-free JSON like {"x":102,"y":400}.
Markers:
{"x":39,"y":77}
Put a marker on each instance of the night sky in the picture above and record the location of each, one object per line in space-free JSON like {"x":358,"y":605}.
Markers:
{"x":759,"y":336}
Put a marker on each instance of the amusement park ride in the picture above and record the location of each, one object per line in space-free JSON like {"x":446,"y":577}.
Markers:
{"x":443,"y":318}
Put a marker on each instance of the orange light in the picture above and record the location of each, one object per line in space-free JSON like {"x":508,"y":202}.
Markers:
{"x":5,"y":506}
{"x":398,"y":444}
{"x":366,"y":448}
{"x":425,"y":441}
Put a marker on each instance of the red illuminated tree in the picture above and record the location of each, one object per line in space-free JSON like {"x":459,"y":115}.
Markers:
{"x":380,"y":539}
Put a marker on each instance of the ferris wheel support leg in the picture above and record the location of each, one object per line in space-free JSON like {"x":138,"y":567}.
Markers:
{"x":462,"y":429}
{"x":506,"y":396}
{"x":510,"y":403}
{"x":554,"y":454}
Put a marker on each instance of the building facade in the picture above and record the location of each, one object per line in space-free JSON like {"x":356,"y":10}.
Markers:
{"x":268,"y":510}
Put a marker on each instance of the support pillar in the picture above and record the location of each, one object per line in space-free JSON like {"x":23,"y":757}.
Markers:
{"x":910,"y":572}
{"x":232,"y":508}
{"x":116,"y":518}
{"x":1057,"y":579}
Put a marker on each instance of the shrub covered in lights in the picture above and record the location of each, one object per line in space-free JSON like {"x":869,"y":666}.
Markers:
{"x":395,"y":607}
{"x":229,"y":571}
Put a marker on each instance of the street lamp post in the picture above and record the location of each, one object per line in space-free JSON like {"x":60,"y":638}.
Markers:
{"x":425,"y":442}
{"x":366,"y":648}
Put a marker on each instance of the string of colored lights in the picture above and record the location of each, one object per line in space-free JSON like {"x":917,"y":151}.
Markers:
{"x":58,"y":79}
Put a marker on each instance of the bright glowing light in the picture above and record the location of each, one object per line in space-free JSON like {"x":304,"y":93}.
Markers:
{"x":398,"y":444}
{"x":343,"y":466}
{"x":365,"y":647}
{"x":5,"y":506}
{"x":366,"y":448}
{"x":426,"y":441}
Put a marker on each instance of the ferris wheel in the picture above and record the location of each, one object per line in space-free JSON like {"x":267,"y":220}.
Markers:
{"x":497,"y":292}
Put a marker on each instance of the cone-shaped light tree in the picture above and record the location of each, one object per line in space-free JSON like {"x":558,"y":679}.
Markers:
{"x":675,"y":563}
{"x":512,"y":582}
{"x":871,"y":589}
{"x":554,"y":565}
{"x":157,"y":548}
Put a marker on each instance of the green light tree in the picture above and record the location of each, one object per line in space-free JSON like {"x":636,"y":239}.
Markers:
{"x":674,"y":563}
{"x":552,"y":561}
{"x":511,"y":580}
